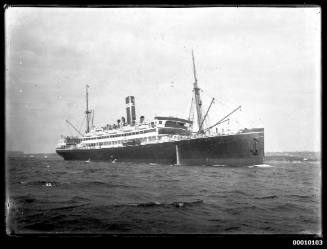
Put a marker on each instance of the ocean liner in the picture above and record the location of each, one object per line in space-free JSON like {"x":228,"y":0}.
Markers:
{"x":164,"y":139}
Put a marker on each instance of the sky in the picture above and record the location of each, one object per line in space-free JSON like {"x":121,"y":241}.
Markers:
{"x":265,"y":59}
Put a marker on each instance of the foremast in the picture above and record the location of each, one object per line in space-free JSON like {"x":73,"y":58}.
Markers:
{"x":197,"y":97}
{"x":87,"y":112}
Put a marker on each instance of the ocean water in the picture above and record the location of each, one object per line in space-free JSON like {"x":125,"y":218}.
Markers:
{"x":50,"y":195}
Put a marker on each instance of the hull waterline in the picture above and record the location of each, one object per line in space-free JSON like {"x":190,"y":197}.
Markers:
{"x":235,"y":150}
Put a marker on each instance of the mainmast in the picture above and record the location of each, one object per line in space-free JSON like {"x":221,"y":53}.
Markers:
{"x":198,"y":102}
{"x":87,"y":112}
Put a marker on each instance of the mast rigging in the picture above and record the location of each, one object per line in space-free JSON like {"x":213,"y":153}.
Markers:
{"x":92,"y":118}
{"x":190,"y":112}
{"x":74,"y":127}
{"x":212,"y":101}
{"x":223,"y":119}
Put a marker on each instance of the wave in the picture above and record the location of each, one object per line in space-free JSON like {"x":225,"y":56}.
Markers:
{"x":186,"y":195}
{"x":74,"y":172}
{"x":232,"y":228}
{"x":68,"y":207}
{"x":239,"y":192}
{"x":81,"y":184}
{"x":261,"y":166}
{"x":24,"y":199}
{"x":266,"y":197}
{"x":90,"y":170}
{"x":42,"y":183}
{"x":302,"y":196}
{"x":40,"y":226}
{"x":90,"y":184}
{"x":310,"y":232}
{"x":169,"y":180}
{"x":78,"y":199}
{"x":288,"y":207}
{"x":172,"y":204}
{"x":292,"y":158}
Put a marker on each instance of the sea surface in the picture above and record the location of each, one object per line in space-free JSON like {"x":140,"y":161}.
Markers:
{"x":46,"y":194}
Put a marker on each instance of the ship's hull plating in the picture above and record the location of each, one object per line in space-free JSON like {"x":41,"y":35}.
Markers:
{"x":236,"y":150}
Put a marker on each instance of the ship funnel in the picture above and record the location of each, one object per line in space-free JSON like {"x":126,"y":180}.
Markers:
{"x":130,"y":110}
{"x":141,"y":119}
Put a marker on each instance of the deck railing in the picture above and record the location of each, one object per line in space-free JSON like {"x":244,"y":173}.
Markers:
{"x":158,"y":139}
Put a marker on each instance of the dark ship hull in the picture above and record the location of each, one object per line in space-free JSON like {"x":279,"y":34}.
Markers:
{"x":242,"y":149}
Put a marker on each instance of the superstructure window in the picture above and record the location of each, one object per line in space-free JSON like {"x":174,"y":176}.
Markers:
{"x":181,"y":124}
{"x":174,"y":124}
